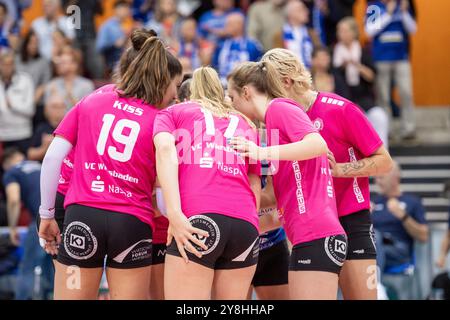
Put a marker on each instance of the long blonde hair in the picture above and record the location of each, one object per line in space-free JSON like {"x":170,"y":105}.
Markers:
{"x":206,"y":89}
{"x":262,"y":75}
{"x":289,"y":66}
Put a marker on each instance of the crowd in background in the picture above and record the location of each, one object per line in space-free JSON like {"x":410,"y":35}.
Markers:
{"x":46,"y":70}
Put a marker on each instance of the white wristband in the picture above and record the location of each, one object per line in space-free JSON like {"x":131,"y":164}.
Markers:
{"x":47,"y":214}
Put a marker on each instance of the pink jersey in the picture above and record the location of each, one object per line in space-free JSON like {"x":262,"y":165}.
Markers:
{"x":66,"y":173}
{"x":67,"y":166}
{"x":213,"y":178}
{"x":114,"y":160}
{"x":304,"y":189}
{"x":160,"y":231}
{"x":350,"y":137}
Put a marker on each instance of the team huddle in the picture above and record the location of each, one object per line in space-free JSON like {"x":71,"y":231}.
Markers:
{"x":199,"y":199}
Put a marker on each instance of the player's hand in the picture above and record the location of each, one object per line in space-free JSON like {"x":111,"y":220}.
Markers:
{"x":440,"y":263}
{"x":50,"y":234}
{"x":247,"y":148}
{"x":14,"y":237}
{"x":47,"y":139}
{"x":184,"y":233}
{"x":395,"y":208}
{"x":333,"y":164}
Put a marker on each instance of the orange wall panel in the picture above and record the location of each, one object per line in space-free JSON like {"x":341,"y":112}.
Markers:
{"x":430,"y":54}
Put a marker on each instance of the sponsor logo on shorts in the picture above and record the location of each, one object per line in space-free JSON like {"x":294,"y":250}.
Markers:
{"x":79,"y":242}
{"x":361,"y":251}
{"x":161,"y":253}
{"x":307,"y":261}
{"x":256,"y":248}
{"x":372,"y":236}
{"x":140,"y":250}
{"x":336,"y":249}
{"x":209,"y":225}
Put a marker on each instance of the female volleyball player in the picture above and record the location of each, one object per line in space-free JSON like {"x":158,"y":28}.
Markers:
{"x":270,"y":281}
{"x":208,"y":185}
{"x":356,"y":153}
{"x":109,"y":210}
{"x":302,"y":184}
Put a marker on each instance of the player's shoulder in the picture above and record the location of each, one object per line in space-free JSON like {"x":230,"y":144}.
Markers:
{"x":285,"y":106}
{"x":107,"y":92}
{"x":108,"y":88}
{"x":184,"y":107}
{"x":333,"y":101}
{"x":286,"y":102}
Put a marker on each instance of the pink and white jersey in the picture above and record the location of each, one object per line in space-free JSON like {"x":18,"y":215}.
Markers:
{"x":213,"y":178}
{"x":350,"y":137}
{"x":67,"y":166}
{"x":114,"y":160}
{"x":304,"y":189}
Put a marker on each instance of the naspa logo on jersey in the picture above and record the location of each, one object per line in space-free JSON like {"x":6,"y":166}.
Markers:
{"x":128,"y":108}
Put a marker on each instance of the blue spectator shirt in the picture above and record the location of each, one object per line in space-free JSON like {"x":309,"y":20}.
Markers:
{"x":233,"y":52}
{"x":392,"y":43}
{"x":110,"y":32}
{"x":398,"y":244}
{"x":211,"y":21}
{"x":27,"y":174}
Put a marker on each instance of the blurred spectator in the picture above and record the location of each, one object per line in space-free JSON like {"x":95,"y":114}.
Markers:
{"x":318,"y":9}
{"x":189,"y":46}
{"x":265,"y":19}
{"x":358,"y":71}
{"x":212,"y":23}
{"x":45,"y":26}
{"x":16,"y":104}
{"x":445,"y":246}
{"x":54,"y":111}
{"x":389,"y":33}
{"x":9,"y":33}
{"x":334,"y":11}
{"x":295,"y":34}
{"x":186,"y":65}
{"x":142,"y":10}
{"x":30,"y":61}
{"x":21,"y":181}
{"x":187,"y":7}
{"x":112,"y":36}
{"x":86,"y":36}
{"x":325,"y":79}
{"x":166,"y":21}
{"x":237,"y":48}
{"x":184,"y":92}
{"x":69,"y":84}
{"x":60,"y":43}
{"x":15,"y":8}
{"x":400,"y":219}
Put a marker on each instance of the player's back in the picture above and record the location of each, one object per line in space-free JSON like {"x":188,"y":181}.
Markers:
{"x":114,"y":165}
{"x":213,"y":176}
